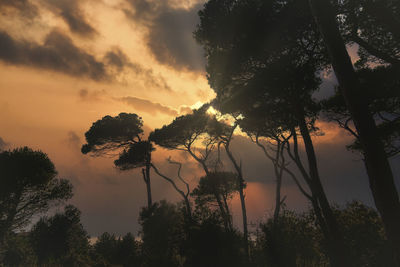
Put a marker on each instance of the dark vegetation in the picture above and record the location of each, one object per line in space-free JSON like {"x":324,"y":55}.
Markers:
{"x":264,"y":62}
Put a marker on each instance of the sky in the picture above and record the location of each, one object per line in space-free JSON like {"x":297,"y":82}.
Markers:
{"x":65,"y":64}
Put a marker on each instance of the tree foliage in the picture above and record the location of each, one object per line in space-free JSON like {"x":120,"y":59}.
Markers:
{"x":122,"y":133}
{"x":135,"y":156}
{"x":224,"y":184}
{"x":374,"y":26}
{"x":61,"y":239}
{"x":28,"y":187}
{"x":111,"y":133}
{"x":187,"y":130}
{"x":384,"y":104}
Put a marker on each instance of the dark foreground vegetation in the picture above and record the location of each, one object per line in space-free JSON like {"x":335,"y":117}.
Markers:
{"x":265,"y":60}
{"x":168,"y":237}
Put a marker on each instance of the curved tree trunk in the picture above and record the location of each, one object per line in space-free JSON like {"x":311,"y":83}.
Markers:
{"x":217,"y":197}
{"x":338,"y":253}
{"x":228,"y":213}
{"x":238,"y":169}
{"x":378,"y":168}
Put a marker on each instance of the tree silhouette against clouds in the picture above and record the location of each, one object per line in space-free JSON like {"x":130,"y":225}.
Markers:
{"x":28,"y":187}
{"x":374,"y":26}
{"x":223,"y":184}
{"x":261,"y":128}
{"x":123,"y":132}
{"x":225,"y":133}
{"x":184,"y":193}
{"x":378,"y":168}
{"x":190,"y":133}
{"x":384,"y":105}
{"x":61,"y":239}
{"x":263,"y":56}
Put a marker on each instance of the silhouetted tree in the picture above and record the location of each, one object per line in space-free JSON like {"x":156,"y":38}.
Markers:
{"x":380,"y":174}
{"x":18,"y":251}
{"x":260,"y":127}
{"x":128,"y":253}
{"x":292,"y":240}
{"x":384,"y":104}
{"x":185,"y":195}
{"x":226,"y":138}
{"x":222,"y":184}
{"x":125,"y":132}
{"x":211,"y":245}
{"x":191,"y":133}
{"x":266,"y":62}
{"x":112,"y":251}
{"x":162,"y":235}
{"x":374,"y":26}
{"x":363,"y":231}
{"x":61,"y":240}
{"x":105,"y":250}
{"x":28,"y":187}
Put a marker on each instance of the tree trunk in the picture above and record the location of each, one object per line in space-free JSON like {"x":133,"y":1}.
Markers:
{"x":338,"y":253}
{"x":242,"y":197}
{"x":244,"y":218}
{"x":223,"y":213}
{"x":380,"y":174}
{"x":228,"y":214}
{"x":148,"y":183}
{"x":278,"y":200}
{"x":278,"y":169}
{"x":188,"y":208}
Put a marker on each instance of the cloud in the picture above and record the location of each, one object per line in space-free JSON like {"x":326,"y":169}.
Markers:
{"x":183,"y":110}
{"x":73,"y":140}
{"x":119,"y":60}
{"x":148,"y":106}
{"x":72,"y":14}
{"x":170,"y":32}
{"x":57,"y":53}
{"x":23,"y":8}
{"x":91,"y":95}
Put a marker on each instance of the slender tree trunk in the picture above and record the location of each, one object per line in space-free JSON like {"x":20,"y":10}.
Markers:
{"x":244,"y":218}
{"x":279,"y":166}
{"x":338,"y":253}
{"x":378,"y":168}
{"x":148,"y":183}
{"x":217,"y":197}
{"x":228,"y":213}
{"x":241,"y":195}
{"x":278,"y":169}
{"x":188,"y":208}
{"x":278,"y":200}
{"x":223,"y":213}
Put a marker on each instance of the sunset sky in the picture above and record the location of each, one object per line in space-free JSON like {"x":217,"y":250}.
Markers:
{"x":67,"y":63}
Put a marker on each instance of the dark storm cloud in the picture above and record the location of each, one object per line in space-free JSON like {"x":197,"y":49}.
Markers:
{"x":71,"y":12}
{"x":170,"y":33}
{"x":24,"y":8}
{"x":148,"y":106}
{"x":57,"y":53}
{"x":119,"y":60}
